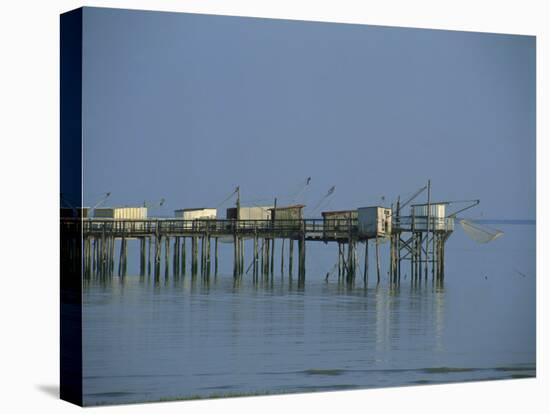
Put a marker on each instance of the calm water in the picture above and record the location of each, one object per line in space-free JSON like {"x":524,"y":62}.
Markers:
{"x":184,"y":338}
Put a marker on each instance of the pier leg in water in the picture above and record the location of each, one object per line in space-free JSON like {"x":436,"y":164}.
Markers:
{"x":366,"y":270}
{"x":391,"y":260}
{"x":241,"y":248}
{"x":235,"y":256}
{"x":420,"y":242}
{"x":352,"y":260}
{"x":208,"y":256}
{"x":265,"y":256}
{"x":157,"y":257}
{"x":339,"y":262}
{"x":120,"y":256}
{"x":283,"y":258}
{"x":202,"y":256}
{"x":94,"y":250}
{"x":113,"y":253}
{"x":216,"y":256}
{"x":194,"y":254}
{"x":149,"y":256}
{"x":125,"y":268}
{"x":262,"y":256}
{"x":167,"y":257}
{"x":103,"y":253}
{"x":107,"y":255}
{"x":290,"y":256}
{"x":142,"y":256}
{"x":377,"y":261}
{"x":173,"y":259}
{"x":272,"y":256}
{"x":302,"y":259}
{"x":183,"y":256}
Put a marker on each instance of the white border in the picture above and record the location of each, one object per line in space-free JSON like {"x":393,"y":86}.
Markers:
{"x":29,"y":90}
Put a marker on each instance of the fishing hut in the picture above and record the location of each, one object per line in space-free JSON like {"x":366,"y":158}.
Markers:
{"x":288,"y":220}
{"x":426,"y":230}
{"x":121,"y":213}
{"x":189,"y":215}
{"x":364,"y":224}
{"x":196,"y":213}
{"x":249,"y":213}
{"x":287,"y":213}
{"x":374,"y":222}
{"x":334,"y":221}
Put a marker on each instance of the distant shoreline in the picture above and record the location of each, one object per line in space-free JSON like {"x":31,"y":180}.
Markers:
{"x":503,"y":221}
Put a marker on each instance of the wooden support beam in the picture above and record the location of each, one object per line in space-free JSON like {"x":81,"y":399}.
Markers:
{"x":216,"y":256}
{"x":158,"y":241}
{"x":183,"y":256}
{"x":208,"y":250}
{"x":149,"y":239}
{"x":142,"y":256}
{"x":377,"y":261}
{"x":290,"y":256}
{"x":167,"y":257}
{"x":283,"y":257}
{"x":176,"y":255}
{"x":272,"y":256}
{"x":194,"y":254}
{"x":366,"y":269}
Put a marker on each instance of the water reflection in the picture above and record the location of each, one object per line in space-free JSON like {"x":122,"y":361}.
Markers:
{"x":147,"y":338}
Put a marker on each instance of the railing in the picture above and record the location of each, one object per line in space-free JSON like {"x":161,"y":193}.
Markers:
{"x":227,"y":227}
{"x":409,"y":223}
{"x":314,"y":228}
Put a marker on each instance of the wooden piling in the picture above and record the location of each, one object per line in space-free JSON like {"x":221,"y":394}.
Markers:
{"x":216,"y":256}
{"x":142,"y":256}
{"x":202,"y":256}
{"x":366,"y":270}
{"x":121,"y":256}
{"x":340,"y":269}
{"x":125,"y":267}
{"x":208,"y":256}
{"x":183,"y":256}
{"x":235,"y":256}
{"x":158,"y":240}
{"x":149,"y":256}
{"x":176,"y":255}
{"x":349,"y":275}
{"x":255,"y":259}
{"x":272,"y":256}
{"x":266,"y":263}
{"x":302,"y":258}
{"x":194,"y":254}
{"x":427,"y":253}
{"x":103,"y":253}
{"x":241,"y":261}
{"x":377,"y":261}
{"x":112,"y":254}
{"x":94,"y":255}
{"x":290,"y":256}
{"x":167,"y":257}
{"x":282,"y":257}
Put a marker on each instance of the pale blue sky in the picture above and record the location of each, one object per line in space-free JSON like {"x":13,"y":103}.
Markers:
{"x":185,"y":107}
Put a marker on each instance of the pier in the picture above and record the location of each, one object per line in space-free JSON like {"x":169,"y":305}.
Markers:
{"x":191,"y":246}
{"x":188,"y":244}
